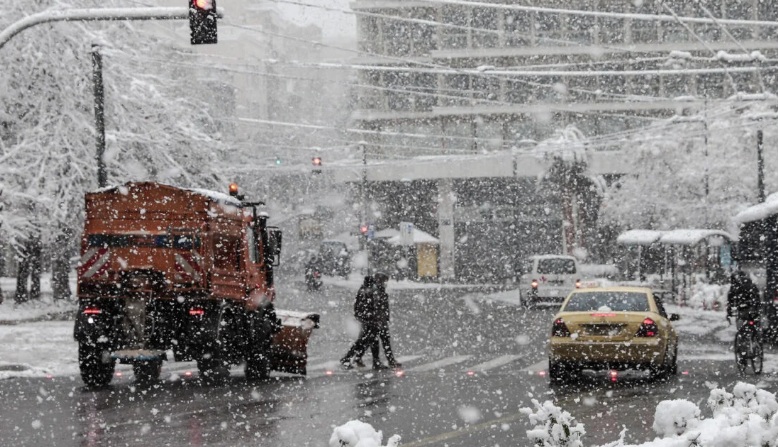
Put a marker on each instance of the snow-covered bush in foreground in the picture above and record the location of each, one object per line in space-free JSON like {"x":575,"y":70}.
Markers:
{"x":553,"y":426}
{"x":745,"y":417}
{"x":359,"y":434}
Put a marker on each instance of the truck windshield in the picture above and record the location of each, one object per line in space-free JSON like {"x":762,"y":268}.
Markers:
{"x":558,"y":266}
{"x":181,"y":242}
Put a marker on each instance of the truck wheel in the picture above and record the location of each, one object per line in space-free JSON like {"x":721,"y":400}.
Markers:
{"x":147,"y":372}
{"x":258,"y":367}
{"x":94,"y":372}
{"x":213,"y":369}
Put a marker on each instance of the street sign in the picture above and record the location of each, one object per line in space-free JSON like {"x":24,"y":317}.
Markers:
{"x":370,"y":232}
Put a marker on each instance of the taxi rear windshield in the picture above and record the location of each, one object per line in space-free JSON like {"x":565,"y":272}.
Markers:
{"x":556,"y":267}
{"x":608,"y":301}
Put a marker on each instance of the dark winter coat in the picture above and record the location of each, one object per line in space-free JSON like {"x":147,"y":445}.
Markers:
{"x":743,"y":294}
{"x":382,"y":305}
{"x":365,"y":311}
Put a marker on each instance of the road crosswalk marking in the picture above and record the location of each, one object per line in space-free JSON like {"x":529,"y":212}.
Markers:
{"x":440,"y":363}
{"x":495,"y":363}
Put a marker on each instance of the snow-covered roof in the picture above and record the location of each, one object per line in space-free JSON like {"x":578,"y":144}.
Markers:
{"x":692,"y":236}
{"x":218,"y":197}
{"x":639,"y":237}
{"x":759,"y":211}
{"x":393,"y":236}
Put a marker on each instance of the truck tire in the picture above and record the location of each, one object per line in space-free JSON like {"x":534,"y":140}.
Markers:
{"x":148,"y":372}
{"x":94,"y":372}
{"x":258,"y":367}
{"x":213,"y":370}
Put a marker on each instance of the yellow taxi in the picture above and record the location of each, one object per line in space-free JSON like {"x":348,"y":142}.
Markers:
{"x":615,"y":328}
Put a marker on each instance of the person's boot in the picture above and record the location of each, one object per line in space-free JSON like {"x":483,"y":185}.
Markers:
{"x":394,"y":364}
{"x":378,"y":366}
{"x":346,"y":363}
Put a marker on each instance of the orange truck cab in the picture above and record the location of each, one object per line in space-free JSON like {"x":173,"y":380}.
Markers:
{"x":188,"y":271}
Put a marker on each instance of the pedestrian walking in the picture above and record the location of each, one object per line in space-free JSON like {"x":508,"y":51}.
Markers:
{"x":365,"y":313}
{"x":382,"y":308}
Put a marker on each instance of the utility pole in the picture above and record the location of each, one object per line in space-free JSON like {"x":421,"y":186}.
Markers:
{"x":365,"y":213}
{"x":760,"y":150}
{"x":100,"y":130}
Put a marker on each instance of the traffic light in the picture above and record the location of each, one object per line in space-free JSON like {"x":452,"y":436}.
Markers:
{"x":316,"y":163}
{"x":203,"y":21}
{"x":278,"y":161}
{"x":364,"y":229}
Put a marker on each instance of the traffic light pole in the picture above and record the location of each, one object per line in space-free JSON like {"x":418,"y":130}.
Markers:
{"x":100,"y":14}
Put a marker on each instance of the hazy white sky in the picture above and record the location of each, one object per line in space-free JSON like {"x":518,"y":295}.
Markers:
{"x":335,"y":25}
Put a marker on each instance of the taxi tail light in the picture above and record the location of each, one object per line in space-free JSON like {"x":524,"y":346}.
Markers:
{"x":534,"y":284}
{"x":197,"y":312}
{"x":648,"y":328}
{"x":559,"y":329}
{"x":92,"y":310}
{"x":578,"y":284}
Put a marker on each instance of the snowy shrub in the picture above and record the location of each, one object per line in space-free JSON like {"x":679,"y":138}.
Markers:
{"x":674,"y":417}
{"x":359,"y":434}
{"x":745,"y":417}
{"x":553,"y":427}
{"x":708,"y":296}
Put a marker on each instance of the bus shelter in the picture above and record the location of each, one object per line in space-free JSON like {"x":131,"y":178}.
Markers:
{"x":677,"y":254}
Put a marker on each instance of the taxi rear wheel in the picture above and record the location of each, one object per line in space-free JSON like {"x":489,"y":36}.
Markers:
{"x":559,"y":373}
{"x":668,"y":368}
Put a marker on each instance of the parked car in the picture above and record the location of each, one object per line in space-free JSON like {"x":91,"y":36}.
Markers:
{"x":614,"y":328}
{"x":547,"y":279}
{"x":335,"y":258}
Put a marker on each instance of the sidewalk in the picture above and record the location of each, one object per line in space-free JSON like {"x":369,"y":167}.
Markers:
{"x":45,"y":309}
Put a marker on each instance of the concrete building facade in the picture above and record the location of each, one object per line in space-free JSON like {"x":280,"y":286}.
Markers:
{"x":483,"y":80}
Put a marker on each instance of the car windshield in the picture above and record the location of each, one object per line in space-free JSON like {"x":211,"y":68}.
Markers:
{"x":556,"y":266}
{"x":608,"y":302}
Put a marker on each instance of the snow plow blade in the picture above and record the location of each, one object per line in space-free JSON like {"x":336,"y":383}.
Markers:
{"x":288,"y":347}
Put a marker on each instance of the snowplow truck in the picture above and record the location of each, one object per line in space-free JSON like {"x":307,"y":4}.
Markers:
{"x":183,"y":272}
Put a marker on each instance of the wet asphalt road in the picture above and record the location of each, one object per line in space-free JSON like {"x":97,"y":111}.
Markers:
{"x":469,"y":366}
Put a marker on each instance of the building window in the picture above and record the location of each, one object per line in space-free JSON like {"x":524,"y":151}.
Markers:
{"x":547,"y":26}
{"x":370,"y":38}
{"x":486,"y":88}
{"x":579,"y":28}
{"x":455,"y":87}
{"x":397,"y":96}
{"x":370,"y":94}
{"x":675,"y":86}
{"x":459,"y":136}
{"x":710,"y":85}
{"x":455,"y":38}
{"x":425,"y":84}
{"x":517,"y":28}
{"x":484,"y":19}
{"x":612,"y":31}
{"x":396,"y":37}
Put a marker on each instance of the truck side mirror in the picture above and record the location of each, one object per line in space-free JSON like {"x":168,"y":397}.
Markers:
{"x":274,"y":249}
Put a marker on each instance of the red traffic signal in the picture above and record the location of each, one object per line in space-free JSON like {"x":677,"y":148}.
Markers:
{"x":316,"y":161}
{"x":364,"y":229}
{"x":203,"y":21}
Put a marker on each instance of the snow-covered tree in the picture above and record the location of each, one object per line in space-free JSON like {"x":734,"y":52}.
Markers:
{"x":696,"y":172}
{"x":157,"y":125}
